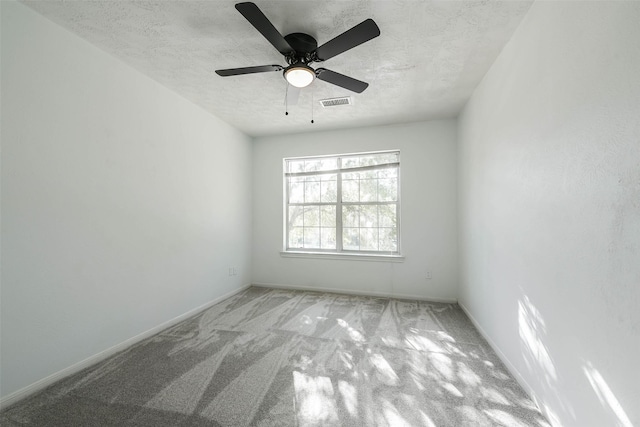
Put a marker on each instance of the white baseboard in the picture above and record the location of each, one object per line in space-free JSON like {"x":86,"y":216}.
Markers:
{"x":92,"y":360}
{"x":354,"y":292}
{"x":510,"y":366}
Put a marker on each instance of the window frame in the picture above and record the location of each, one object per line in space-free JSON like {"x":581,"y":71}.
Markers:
{"x":339,"y":252}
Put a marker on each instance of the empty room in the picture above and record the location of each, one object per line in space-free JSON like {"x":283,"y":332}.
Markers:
{"x":336,"y":213}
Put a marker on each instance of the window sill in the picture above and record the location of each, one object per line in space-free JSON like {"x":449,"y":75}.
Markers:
{"x":342,"y":256}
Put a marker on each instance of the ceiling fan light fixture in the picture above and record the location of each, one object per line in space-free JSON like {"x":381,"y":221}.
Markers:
{"x":299,"y":75}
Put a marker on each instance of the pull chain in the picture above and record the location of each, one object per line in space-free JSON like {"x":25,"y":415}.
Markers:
{"x":286,"y":100}
{"x":313,"y":91}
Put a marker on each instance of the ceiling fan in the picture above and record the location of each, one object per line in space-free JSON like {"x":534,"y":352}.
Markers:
{"x":301,"y":49}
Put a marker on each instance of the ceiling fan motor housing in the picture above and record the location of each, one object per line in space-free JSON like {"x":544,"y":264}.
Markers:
{"x":302,"y":43}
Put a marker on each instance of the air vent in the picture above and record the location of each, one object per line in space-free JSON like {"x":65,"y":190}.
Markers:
{"x":336,"y":102}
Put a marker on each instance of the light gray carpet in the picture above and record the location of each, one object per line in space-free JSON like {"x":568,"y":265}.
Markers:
{"x":269,"y":357}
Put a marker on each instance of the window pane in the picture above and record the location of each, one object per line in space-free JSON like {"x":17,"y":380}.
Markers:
{"x":351,"y":239}
{"x":323,"y":164}
{"x":369,"y":160}
{"x":351,"y":175}
{"x":328,"y":189}
{"x":329,"y":163}
{"x":328,"y":216}
{"x":312,"y":165}
{"x":389,"y":239}
{"x":295,"y":166}
{"x":369,"y":174}
{"x":368,"y":216}
{"x":296,"y":216}
{"x":368,"y":190}
{"x":312,"y":189}
{"x":387,"y":215}
{"x":349,"y":162}
{"x":296,"y":190}
{"x":312,"y":216}
{"x":368,"y":239}
{"x":350,"y":190}
{"x":311,"y":237}
{"x":350,"y":216}
{"x":388,"y":173}
{"x":388,"y":190}
{"x":296,"y":237}
{"x":328,"y":238}
{"x":368,"y":206}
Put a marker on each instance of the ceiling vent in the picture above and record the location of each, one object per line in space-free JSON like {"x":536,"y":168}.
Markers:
{"x":336,"y":102}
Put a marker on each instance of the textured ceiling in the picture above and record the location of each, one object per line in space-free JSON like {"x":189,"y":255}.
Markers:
{"x":427,"y":61}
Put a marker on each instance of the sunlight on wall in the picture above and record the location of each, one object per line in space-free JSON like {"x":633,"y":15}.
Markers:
{"x":605,"y":395}
{"x":551,"y":415}
{"x":532,"y":330}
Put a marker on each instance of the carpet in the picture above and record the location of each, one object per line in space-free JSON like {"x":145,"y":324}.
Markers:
{"x":271,"y":357}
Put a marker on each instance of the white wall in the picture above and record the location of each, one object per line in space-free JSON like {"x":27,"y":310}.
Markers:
{"x":428,"y":222}
{"x":549,"y":162}
{"x":123,"y":205}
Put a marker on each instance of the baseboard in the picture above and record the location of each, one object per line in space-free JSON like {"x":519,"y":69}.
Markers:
{"x":92,"y":360}
{"x":505,"y":360}
{"x":354,"y":292}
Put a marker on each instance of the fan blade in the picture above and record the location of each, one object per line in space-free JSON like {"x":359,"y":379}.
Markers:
{"x":341,"y":80}
{"x":248,"y":70}
{"x":293,"y":93}
{"x":256,"y":18}
{"x":359,"y":34}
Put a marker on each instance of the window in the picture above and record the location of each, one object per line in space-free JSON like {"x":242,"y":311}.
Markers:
{"x":343,"y":204}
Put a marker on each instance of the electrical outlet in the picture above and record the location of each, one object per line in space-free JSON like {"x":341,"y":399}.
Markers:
{"x":428,"y":275}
